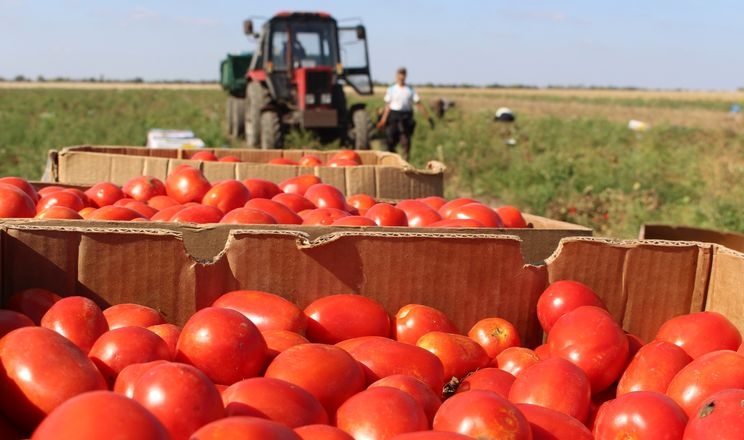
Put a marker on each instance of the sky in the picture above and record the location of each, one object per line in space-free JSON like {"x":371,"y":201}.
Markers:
{"x":655,"y":44}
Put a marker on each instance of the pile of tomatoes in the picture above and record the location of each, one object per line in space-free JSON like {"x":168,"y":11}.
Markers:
{"x":255,"y":365}
{"x":187,"y":196}
{"x":342,"y":158}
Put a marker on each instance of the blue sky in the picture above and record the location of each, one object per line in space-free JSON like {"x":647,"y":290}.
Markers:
{"x":660,"y":44}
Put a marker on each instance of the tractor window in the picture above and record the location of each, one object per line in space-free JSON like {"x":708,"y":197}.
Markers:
{"x":312,"y":45}
{"x":279,"y":41}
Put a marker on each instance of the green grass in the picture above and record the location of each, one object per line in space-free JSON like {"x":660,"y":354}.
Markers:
{"x":583,"y":169}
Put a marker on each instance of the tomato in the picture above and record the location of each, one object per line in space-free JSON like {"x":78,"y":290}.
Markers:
{"x":511,"y":216}
{"x":515,"y":359}
{"x":298,"y":184}
{"x":720,"y":416}
{"x":700,"y":332}
{"x":33,"y":302}
{"x":104,"y":193}
{"x":222,"y":343}
{"x":243,"y":427}
{"x":322,"y":432}
{"x":165,"y":214}
{"x":161,"y":202}
{"x":99,"y":415}
{"x":543,"y":351}
{"x":354,"y":220}
{"x":590,"y":338}
{"x":457,"y":223}
{"x":129,"y":375}
{"x":261,"y":188}
{"x":60,"y":212}
{"x":40,"y":370}
{"x":200,"y":214}
{"x":126,"y":314}
{"x":123,"y":201}
{"x":431,"y":435}
{"x":653,"y":367}
{"x":459,"y":354}
{"x":549,"y":424}
{"x":11,"y":320}
{"x":279,"y":340}
{"x":334,"y":318}
{"x":227,"y":195}
{"x":142,"y":208}
{"x":495,"y":334}
{"x":229,"y":158}
{"x":421,"y":392}
{"x":322,"y":216}
{"x":279,"y":212}
{"x":328,"y":372}
{"x":180,"y":396}
{"x":323,"y":195}
{"x":347,"y":154}
{"x":186,"y":184}
{"x":418,"y":214}
{"x":380,"y":413}
{"x":381,"y":357}
{"x":385,"y":214}
{"x":554,"y":383}
{"x":168,"y":333}
{"x":362,"y":202}
{"x":641,"y":415}
{"x":112,"y":212}
{"x":446,"y":209}
{"x":48,"y":190}
{"x":115,"y":349}
{"x":705,"y":375}
{"x":282,"y":161}
{"x":414,"y":320}
{"x":295,"y":202}
{"x":482,"y":414}
{"x":77,"y":318}
{"x":434,"y":202}
{"x":480,"y":212}
{"x":207,"y":156}
{"x":59,"y":198}
{"x":561,"y":297}
{"x":634,"y":344}
{"x":273,"y":399}
{"x":23,"y":185}
{"x":309,"y":160}
{"x":489,"y":378}
{"x":266,"y":311}
{"x":248,"y":216}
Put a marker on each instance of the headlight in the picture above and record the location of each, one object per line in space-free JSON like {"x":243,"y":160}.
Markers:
{"x":310,"y":99}
{"x":325,"y":98}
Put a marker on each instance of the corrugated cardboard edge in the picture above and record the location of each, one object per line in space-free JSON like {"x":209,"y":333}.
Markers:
{"x":731,"y":240}
{"x":726,"y":289}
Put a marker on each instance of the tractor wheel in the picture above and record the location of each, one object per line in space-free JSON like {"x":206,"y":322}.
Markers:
{"x":362,"y":126}
{"x":256,"y":97}
{"x":238,"y":118}
{"x":229,"y":112}
{"x":270,"y":130}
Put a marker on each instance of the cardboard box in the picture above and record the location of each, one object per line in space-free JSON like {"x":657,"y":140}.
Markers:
{"x":657,"y":231}
{"x":179,"y":268}
{"x":382,"y":175}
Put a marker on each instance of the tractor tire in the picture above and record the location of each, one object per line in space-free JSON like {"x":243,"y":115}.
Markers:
{"x":256,"y":98}
{"x":360,"y":129}
{"x":229,"y":111}
{"x":271,"y":136}
{"x":238,"y":118}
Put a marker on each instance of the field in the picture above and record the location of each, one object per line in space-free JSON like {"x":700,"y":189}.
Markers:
{"x":570,"y":154}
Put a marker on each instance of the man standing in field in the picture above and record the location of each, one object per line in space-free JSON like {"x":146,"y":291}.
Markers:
{"x":397,"y":117}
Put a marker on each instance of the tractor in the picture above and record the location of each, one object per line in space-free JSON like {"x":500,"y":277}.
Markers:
{"x":296,"y":79}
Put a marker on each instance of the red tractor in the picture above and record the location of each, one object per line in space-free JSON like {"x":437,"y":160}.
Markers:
{"x":296,"y":79}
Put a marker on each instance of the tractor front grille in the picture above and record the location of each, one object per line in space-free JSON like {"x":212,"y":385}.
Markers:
{"x":318,"y":82}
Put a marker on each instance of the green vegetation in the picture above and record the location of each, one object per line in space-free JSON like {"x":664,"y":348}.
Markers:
{"x":584,"y":169}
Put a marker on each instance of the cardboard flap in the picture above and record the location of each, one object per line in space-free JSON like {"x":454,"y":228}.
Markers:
{"x":726,"y":290}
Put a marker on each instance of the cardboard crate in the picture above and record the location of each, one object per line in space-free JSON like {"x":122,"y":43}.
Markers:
{"x":382,"y":175}
{"x":178,"y":269}
{"x":658,"y":231}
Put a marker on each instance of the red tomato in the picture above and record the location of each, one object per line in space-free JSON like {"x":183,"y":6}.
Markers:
{"x":431,"y":435}
{"x":22,"y":184}
{"x":495,"y":335}
{"x":549,"y":424}
{"x":281,"y":213}
{"x":480,"y":212}
{"x":99,"y":415}
{"x":129,"y":375}
{"x":415,"y":320}
{"x":700,"y":332}
{"x":142,"y":208}
{"x":322,"y":432}
{"x":720,"y":416}
{"x":60,"y":212}
{"x":229,"y":158}
{"x":385,"y":214}
{"x":200,"y":214}
{"x":11,"y":320}
{"x":381,"y":357}
{"x":515,"y":359}
{"x":421,"y":392}
{"x":341,"y":163}
{"x":511,"y":217}
{"x":266,"y":310}
{"x":634,"y":344}
{"x":561,"y":297}
{"x":354,"y":220}
{"x":144,"y":188}
{"x":112,"y":212}
{"x":41,"y":369}
{"x":446,"y":209}
{"x":457,"y":223}
{"x":295,"y":202}
{"x":222,"y":343}
{"x":207,"y":156}
{"x":186,"y":184}
{"x":33,"y":302}
{"x":227,"y":195}
{"x":459,"y":354}
{"x":298,"y":184}
{"x":59,"y":198}
{"x":77,"y":318}
{"x":273,"y":399}
{"x":328,"y":372}
{"x":554,"y":383}
{"x":346,"y":154}
{"x":123,"y":201}
{"x":104,"y":193}
{"x":48,"y":190}
{"x":180,"y":396}
{"x":309,"y":160}
{"x":433,"y":202}
{"x":362,"y":202}
{"x":489,"y":378}
{"x":261,"y":188}
{"x":165,"y":214}
{"x":705,"y":375}
{"x":543,"y":351}
{"x":243,"y":427}
{"x":323,"y":195}
{"x":590,"y":338}
{"x":653,"y":367}
{"x":282,"y":161}
{"x":168,"y":333}
{"x":162,"y":202}
{"x":482,"y":414}
{"x":115,"y":349}
{"x":279,"y":340}
{"x":380,"y":413}
{"x":248,"y":216}
{"x":334,"y":318}
{"x":322,"y":216}
{"x":418,"y":214}
{"x":126,"y":314}
{"x":641,"y":415}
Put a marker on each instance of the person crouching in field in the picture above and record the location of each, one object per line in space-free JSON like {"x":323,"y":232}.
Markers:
{"x":397,"y":117}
